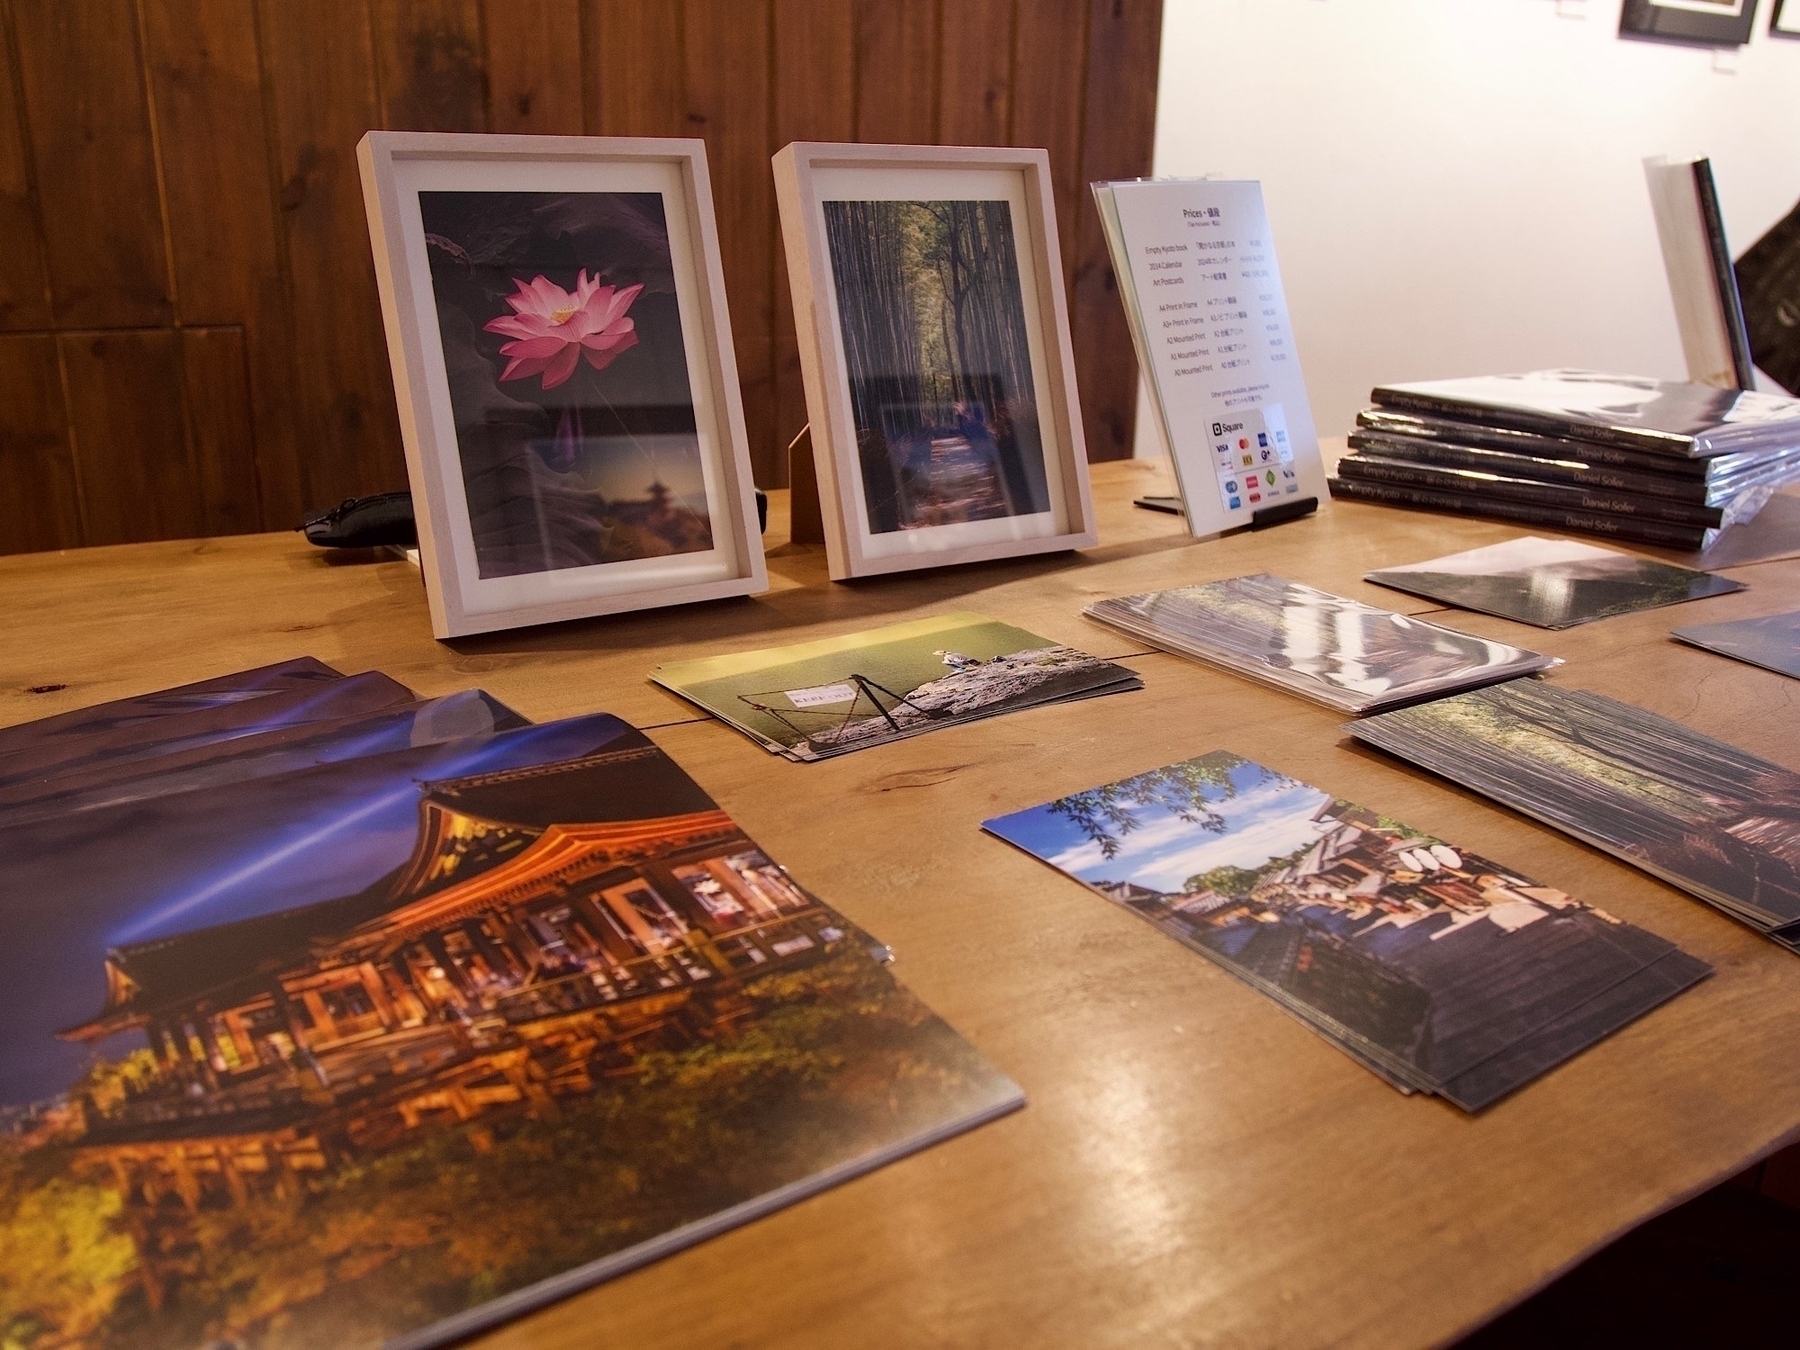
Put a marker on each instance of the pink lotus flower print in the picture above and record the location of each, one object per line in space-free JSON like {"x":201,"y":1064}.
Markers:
{"x":552,"y":329}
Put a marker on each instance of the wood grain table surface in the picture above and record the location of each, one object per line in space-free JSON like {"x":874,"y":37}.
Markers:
{"x":1195,"y":1167}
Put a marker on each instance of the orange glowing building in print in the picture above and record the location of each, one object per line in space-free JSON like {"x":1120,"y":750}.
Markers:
{"x":513,"y":960}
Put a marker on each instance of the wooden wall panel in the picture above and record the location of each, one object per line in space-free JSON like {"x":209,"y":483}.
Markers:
{"x":814,"y":100}
{"x":137,"y":475}
{"x":1049,"y":70}
{"x":634,"y":68}
{"x":184,"y":261}
{"x":975,"y":66}
{"x":534,"y":50}
{"x":429,"y":65}
{"x":38,"y":484}
{"x":321,"y":71}
{"x":728,"y":48}
{"x":88,"y":124}
{"x":24,"y":288}
{"x":897,"y":67}
{"x":1117,"y":129}
{"x":215,"y":379}
{"x":205,"y":77}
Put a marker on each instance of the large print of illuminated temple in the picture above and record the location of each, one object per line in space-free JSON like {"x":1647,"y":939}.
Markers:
{"x":514,"y":958}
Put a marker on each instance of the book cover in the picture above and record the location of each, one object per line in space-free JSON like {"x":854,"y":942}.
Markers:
{"x":1333,"y":650}
{"x":1392,"y":467}
{"x":1442,"y":970}
{"x":1465,"y":432}
{"x":1552,"y":583}
{"x":1703,"y":815}
{"x":387,"y":1050}
{"x":1658,"y":416}
{"x":1685,"y":537}
{"x":1685,"y":203}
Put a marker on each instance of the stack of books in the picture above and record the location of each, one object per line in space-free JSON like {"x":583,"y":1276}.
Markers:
{"x":1650,"y":461}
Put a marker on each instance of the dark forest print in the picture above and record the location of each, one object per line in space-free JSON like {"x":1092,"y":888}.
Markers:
{"x":939,"y":361}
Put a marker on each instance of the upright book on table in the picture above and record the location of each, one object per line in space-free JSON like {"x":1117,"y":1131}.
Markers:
{"x":1328,"y":648}
{"x":390,"y":1048}
{"x":1195,"y":261}
{"x":1702,"y":283}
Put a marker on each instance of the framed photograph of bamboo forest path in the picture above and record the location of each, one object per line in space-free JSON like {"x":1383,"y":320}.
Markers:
{"x":562,"y":358}
{"x":934,"y":345}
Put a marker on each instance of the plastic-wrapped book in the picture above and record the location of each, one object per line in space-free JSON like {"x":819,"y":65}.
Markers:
{"x":1333,"y":650}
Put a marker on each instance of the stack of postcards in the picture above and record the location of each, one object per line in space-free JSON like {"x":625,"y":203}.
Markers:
{"x":1650,"y":461}
{"x":1442,"y":971}
{"x":1350,"y":656}
{"x":1708,"y":817}
{"x":811,"y":700}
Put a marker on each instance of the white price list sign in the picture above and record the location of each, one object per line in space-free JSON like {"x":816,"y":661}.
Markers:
{"x":1211,"y":325}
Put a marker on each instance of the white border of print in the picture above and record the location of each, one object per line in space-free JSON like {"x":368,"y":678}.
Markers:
{"x":396,"y":167}
{"x":1785,"y":21}
{"x":806,"y":174}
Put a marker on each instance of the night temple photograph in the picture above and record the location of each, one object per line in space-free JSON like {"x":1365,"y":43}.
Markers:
{"x":338,"y":1055}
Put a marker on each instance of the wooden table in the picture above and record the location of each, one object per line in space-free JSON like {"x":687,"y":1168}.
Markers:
{"x":1194,"y":1167}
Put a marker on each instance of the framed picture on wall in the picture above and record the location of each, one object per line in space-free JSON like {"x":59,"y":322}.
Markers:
{"x":1785,"y":21}
{"x":562,"y":358}
{"x":1706,"y":23}
{"x":934,"y":346}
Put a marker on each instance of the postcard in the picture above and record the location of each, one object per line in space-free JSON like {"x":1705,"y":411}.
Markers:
{"x":833,"y":695}
{"x":234,"y":688}
{"x":1702,"y":815}
{"x":1440,"y":968}
{"x":1772,"y":641}
{"x":1552,"y":583}
{"x":1336,"y":651}
{"x":390,"y":1049}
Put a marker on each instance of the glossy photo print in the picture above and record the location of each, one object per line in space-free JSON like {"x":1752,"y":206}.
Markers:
{"x":1772,"y":641}
{"x":939,"y":359}
{"x":1703,"y":815}
{"x":568,"y":376}
{"x":389,"y":1049}
{"x":833,"y":695}
{"x":1552,"y":583}
{"x":1328,"y":648}
{"x":1443,"y":971}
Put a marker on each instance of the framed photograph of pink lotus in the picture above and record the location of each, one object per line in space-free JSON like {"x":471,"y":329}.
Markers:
{"x":934,"y":346}
{"x":562,"y":360}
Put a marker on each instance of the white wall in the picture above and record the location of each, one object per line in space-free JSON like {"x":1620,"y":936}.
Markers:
{"x":1456,"y":186}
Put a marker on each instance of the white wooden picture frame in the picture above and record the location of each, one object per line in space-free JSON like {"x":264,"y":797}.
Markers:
{"x":934,"y":347}
{"x":568,"y":394}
